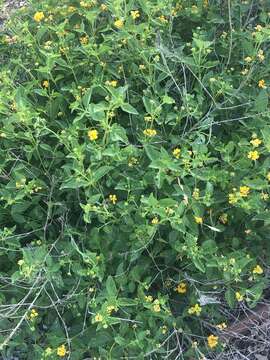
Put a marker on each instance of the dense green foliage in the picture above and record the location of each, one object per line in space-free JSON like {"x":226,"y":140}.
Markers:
{"x":135,"y":173}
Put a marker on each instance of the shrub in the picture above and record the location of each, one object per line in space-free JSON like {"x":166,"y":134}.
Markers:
{"x":134,"y":175}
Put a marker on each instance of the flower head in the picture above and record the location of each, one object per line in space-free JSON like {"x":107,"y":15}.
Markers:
{"x":45,"y":83}
{"x":135,"y":14}
{"x":33,"y":314}
{"x":39,"y":16}
{"x":258,"y":270}
{"x":112,"y":83}
{"x":119,"y":23}
{"x":155,"y":221}
{"x":256,"y":142}
{"x":261,"y":84}
{"x":98,"y":318}
{"x":150,"y":132}
{"x":113,"y":198}
{"x":198,"y":219}
{"x":196,"y":309}
{"x":148,"y":298}
{"x":239,"y":297}
{"x":61,"y":351}
{"x":176,"y":153}
{"x":212,"y":341}
{"x":181,"y":288}
{"x":244,"y":191}
{"x":253,"y":155}
{"x":93,"y":134}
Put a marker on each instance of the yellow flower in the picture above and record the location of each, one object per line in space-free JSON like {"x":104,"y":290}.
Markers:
{"x":176,"y":153}
{"x":233,"y":198}
{"x":119,"y":23}
{"x":93,"y":135}
{"x":244,"y":191}
{"x":239,"y":296}
{"x":112,"y":83}
{"x":257,"y":270}
{"x":71,"y":9}
{"x":268,"y":176}
{"x":181,"y":288}
{"x":98,"y":318}
{"x":110,"y":309}
{"x":163,"y":19}
{"x":113,"y":198}
{"x":150,"y":132}
{"x":248,"y":59}
{"x":244,"y":71}
{"x":264,"y":196}
{"x":212,"y":341}
{"x":253,"y":155}
{"x":39,"y":16}
{"x":61,"y":351}
{"x":155,"y":221}
{"x":45,"y":83}
{"x":256,"y":142}
{"x":222,"y":326}
{"x":261,"y":84}
{"x":198,"y":219}
{"x":20,"y":262}
{"x":135,"y":14}
{"x":156,"y":308}
{"x":260,"y":55}
{"x":196,"y":309}
{"x":103,"y":7}
{"x":148,"y":298}
{"x":142,"y":67}
{"x":33,"y":314}
{"x":258,"y":27}
{"x":84,"y":40}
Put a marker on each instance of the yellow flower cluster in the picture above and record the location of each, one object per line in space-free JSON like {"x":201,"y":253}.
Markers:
{"x":84,"y":40}
{"x":196,"y":309}
{"x":256,"y":142}
{"x":45,"y":83}
{"x":113,"y":198}
{"x":155,"y":221}
{"x":150,"y":132}
{"x":181,"y":288}
{"x":239,"y":297}
{"x":112,"y":83}
{"x":135,"y":14}
{"x":212,"y":341}
{"x":119,"y":23}
{"x":258,"y":270}
{"x":111,"y":308}
{"x":104,"y":7}
{"x":222,"y":326}
{"x":98,"y":318}
{"x":33,"y":314}
{"x":148,"y":298}
{"x":261,"y":84}
{"x":39,"y":16}
{"x":93,"y":134}
{"x":244,"y":191}
{"x":198,"y":219}
{"x":61,"y":351}
{"x":260,"y":55}
{"x":176,"y":153}
{"x":253,"y":155}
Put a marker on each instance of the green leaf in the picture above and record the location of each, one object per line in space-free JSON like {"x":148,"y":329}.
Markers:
{"x":111,"y":287}
{"x":230,"y":298}
{"x":261,"y":102}
{"x":129,"y":109}
{"x":99,"y":173}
